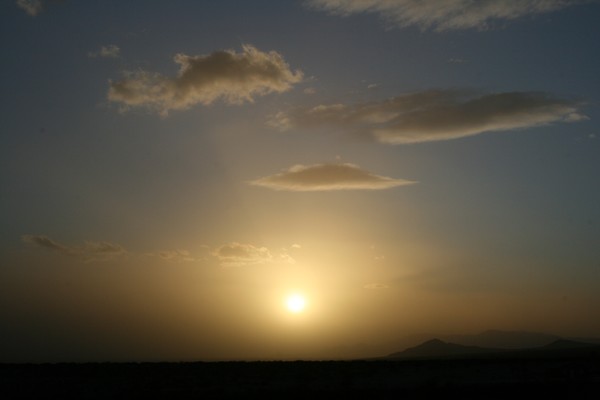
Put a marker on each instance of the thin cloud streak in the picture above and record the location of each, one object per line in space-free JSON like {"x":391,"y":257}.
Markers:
{"x":31,"y":7}
{"x":232,"y":77}
{"x":90,"y":251}
{"x":109,"y":51}
{"x":435,"y":115}
{"x":442,"y":15}
{"x":376,"y":286}
{"x":327,"y":177}
{"x":176,"y":256}
{"x":236,"y":254}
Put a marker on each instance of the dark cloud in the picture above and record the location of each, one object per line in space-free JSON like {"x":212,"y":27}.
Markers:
{"x":176,"y":255}
{"x":435,"y":115}
{"x":31,"y":7}
{"x":46,"y":242}
{"x":90,"y":251}
{"x":233,"y":77}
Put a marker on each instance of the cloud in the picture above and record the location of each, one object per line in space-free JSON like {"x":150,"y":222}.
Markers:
{"x":177,"y":256}
{"x":233,"y":77}
{"x":457,"y":60}
{"x":435,"y":115}
{"x":109,"y":51}
{"x":376,"y":286}
{"x":31,"y":7}
{"x":46,"y":242}
{"x":90,"y":251}
{"x":239,"y":254}
{"x":442,"y":15}
{"x":103,"y":249}
{"x":321,"y":177}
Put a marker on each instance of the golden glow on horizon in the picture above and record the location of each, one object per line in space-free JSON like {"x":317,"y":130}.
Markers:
{"x":295,"y":303}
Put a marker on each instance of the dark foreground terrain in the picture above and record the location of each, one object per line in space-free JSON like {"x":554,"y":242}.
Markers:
{"x":568,"y":374}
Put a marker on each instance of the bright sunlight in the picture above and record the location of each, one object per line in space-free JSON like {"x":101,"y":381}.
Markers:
{"x":295,"y":303}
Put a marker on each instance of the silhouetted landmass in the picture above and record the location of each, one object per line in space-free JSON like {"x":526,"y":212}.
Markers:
{"x":560,"y":369}
{"x":436,"y":348}
{"x":504,"y":339}
{"x":490,"y":339}
{"x":566,"y":344}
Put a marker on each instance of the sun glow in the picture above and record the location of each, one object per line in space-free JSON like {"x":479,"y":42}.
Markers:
{"x":295,"y":303}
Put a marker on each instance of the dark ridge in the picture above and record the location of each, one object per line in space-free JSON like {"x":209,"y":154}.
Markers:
{"x":504,"y":339}
{"x":436,"y":348}
{"x":567,"y":344}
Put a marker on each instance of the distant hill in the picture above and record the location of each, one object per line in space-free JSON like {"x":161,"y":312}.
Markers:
{"x":567,"y":344}
{"x":436,"y":348}
{"x":504,"y":339}
{"x":496,"y":339}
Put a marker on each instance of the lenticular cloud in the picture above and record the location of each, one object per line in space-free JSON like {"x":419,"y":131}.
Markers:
{"x":324,"y":177}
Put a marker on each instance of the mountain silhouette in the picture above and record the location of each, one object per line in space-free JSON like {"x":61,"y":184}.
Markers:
{"x":567,"y":344}
{"x":435,"y":348}
{"x":496,"y":339}
{"x":504,"y":339}
{"x":438,"y":349}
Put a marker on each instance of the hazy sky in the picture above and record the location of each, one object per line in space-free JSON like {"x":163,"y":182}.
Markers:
{"x":172,"y":171}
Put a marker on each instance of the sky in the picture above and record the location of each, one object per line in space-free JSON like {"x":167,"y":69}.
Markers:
{"x":172,"y":172}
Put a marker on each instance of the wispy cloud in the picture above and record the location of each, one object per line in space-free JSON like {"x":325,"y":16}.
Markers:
{"x":109,"y":51}
{"x":240,"y":254}
{"x":177,"y":256}
{"x":435,"y":115}
{"x":90,"y":251}
{"x":233,"y":77}
{"x":322,"y":177}
{"x":31,"y":7}
{"x":442,"y":15}
{"x":46,"y":242}
{"x":376,"y":286}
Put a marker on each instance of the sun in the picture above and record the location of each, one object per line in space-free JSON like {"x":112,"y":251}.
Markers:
{"x":295,"y":303}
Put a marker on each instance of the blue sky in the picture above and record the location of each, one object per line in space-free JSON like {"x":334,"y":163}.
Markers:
{"x":408,"y":169}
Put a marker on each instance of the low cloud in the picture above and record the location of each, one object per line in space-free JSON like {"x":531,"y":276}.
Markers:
{"x":109,"y":51}
{"x":31,"y":7}
{"x":435,"y":115}
{"x":322,"y":177}
{"x":232,"y":77}
{"x":90,"y":251}
{"x":442,"y":15}
{"x":239,"y":254}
